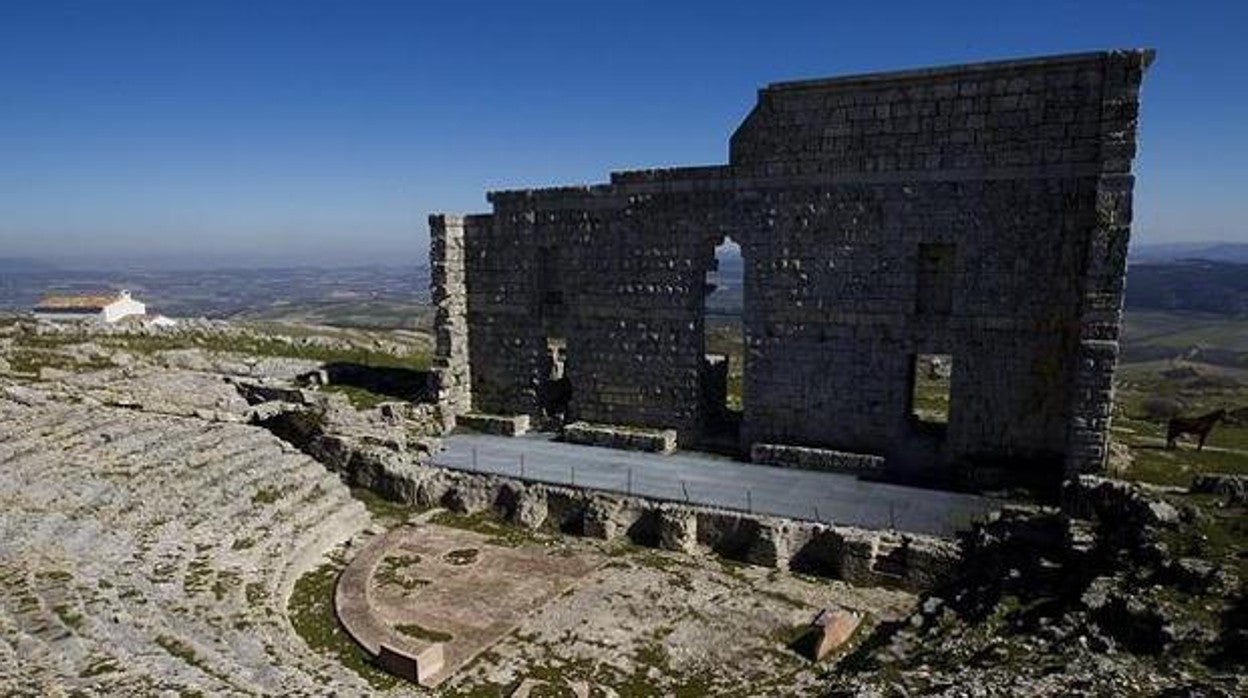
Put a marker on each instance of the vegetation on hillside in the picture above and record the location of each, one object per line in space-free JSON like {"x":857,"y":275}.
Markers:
{"x":1198,"y":285}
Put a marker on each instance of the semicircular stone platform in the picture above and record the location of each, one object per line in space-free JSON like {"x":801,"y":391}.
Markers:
{"x":426,"y":599}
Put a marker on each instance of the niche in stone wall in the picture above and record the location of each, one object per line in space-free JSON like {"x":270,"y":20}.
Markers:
{"x":549,"y":283}
{"x":931,"y":376}
{"x":936,"y":278}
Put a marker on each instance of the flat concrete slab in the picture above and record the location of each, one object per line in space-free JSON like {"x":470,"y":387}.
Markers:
{"x":719,"y":482}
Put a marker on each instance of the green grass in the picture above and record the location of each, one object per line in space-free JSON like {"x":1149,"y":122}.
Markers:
{"x":262,"y":346}
{"x":31,"y":360}
{"x":383,"y":510}
{"x":1220,"y":534}
{"x":360,"y":398}
{"x":930,"y":402}
{"x":71,"y":618}
{"x":418,"y":632}
{"x":187,"y":654}
{"x":100,"y":667}
{"x":349,"y":314}
{"x":393,"y":571}
{"x":485,"y":523}
{"x":271,"y":347}
{"x":311,"y":611}
{"x":1183,"y":330}
{"x":1195,"y":389}
{"x":266,"y":495}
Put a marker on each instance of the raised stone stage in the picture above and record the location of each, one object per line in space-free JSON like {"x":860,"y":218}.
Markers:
{"x":430,"y":598}
{"x":711,"y":481}
{"x":548,"y":614}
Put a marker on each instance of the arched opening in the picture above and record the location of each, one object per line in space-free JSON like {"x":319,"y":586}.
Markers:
{"x":723,"y":347}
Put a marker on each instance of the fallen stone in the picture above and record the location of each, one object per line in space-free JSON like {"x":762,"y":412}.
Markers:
{"x":1233,"y":487}
{"x":503,"y":425}
{"x":831,"y":629}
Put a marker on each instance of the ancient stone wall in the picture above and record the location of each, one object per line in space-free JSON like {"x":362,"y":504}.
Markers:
{"x":869,"y":557}
{"x":978,"y":211}
{"x":450,"y":375}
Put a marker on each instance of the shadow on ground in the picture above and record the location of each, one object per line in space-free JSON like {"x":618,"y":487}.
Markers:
{"x":399,"y":383}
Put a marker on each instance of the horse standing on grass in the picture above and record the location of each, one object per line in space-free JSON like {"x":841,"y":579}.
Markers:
{"x":1196,"y":426}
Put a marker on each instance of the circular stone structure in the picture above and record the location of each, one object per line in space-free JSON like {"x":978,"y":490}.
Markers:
{"x":425,"y":599}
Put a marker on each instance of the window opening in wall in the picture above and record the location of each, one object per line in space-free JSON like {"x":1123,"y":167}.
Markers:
{"x":936,"y":278}
{"x":556,"y":389}
{"x":932,"y":376}
{"x":723,"y":365}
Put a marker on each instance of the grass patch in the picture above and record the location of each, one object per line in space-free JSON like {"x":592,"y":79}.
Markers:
{"x":382,"y":509}
{"x":60,"y":576}
{"x":67,"y":615}
{"x":198,"y":571}
{"x":274,"y":347}
{"x":32,"y":360}
{"x":462,"y":556}
{"x":100,"y":667}
{"x":257,"y":596}
{"x":1144,"y":390}
{"x":186,"y":653}
{"x":266,"y":495}
{"x":931,"y":398}
{"x":500,"y":534}
{"x":360,"y":398}
{"x":311,"y":611}
{"x":393,"y":572}
{"x":418,"y":632}
{"x":225,"y":582}
{"x":1218,"y":535}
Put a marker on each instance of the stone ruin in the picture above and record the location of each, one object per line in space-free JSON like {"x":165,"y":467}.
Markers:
{"x":977,"y":211}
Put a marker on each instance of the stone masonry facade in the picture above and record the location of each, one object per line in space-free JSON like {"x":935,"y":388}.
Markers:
{"x":980,"y":211}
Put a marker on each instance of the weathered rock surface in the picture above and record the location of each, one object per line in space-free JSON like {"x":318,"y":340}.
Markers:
{"x":1053,"y":605}
{"x":143,"y":554}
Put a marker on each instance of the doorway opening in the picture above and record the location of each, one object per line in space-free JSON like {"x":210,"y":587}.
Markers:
{"x":555,"y":393}
{"x":723,"y":347}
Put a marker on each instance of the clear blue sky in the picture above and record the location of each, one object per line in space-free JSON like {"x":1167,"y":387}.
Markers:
{"x":318,"y":131}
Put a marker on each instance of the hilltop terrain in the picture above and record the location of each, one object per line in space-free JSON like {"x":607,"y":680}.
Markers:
{"x":183,"y":546}
{"x":377,"y":297}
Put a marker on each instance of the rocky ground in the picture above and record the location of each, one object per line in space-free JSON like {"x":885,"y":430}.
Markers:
{"x":1125,"y":590}
{"x":156,"y":538}
{"x":659,"y":624}
{"x":143,"y":553}
{"x":150,"y":535}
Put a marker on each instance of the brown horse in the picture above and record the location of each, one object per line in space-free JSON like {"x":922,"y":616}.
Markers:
{"x":1196,"y":426}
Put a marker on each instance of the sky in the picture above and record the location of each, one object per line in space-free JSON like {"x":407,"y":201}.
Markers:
{"x":221,"y":133}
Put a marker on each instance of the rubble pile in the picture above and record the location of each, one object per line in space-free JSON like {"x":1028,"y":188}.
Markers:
{"x":1123,"y":590}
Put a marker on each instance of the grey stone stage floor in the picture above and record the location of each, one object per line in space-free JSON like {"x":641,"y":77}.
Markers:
{"x":719,"y":482}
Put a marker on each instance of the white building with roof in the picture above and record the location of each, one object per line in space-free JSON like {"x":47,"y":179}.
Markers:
{"x":104,"y":308}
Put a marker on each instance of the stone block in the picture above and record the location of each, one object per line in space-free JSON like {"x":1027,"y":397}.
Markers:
{"x":829,"y":631}
{"x":620,"y":437}
{"x":417,"y":667}
{"x":817,"y":459}
{"x":503,"y":425}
